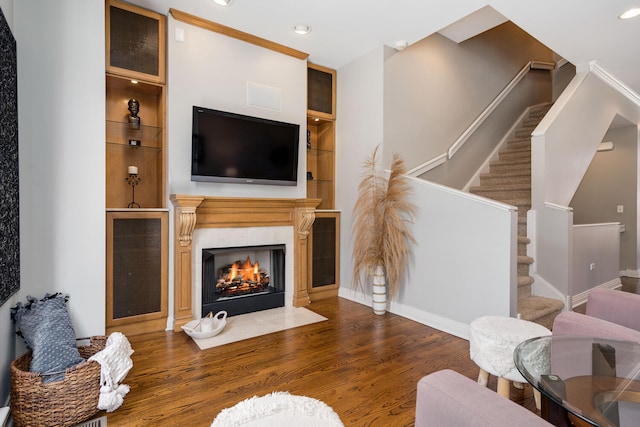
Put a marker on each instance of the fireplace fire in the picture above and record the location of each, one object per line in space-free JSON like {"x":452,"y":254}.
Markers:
{"x":242,"y":280}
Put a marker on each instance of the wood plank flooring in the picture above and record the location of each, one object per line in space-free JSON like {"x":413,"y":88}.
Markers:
{"x":364,"y":366}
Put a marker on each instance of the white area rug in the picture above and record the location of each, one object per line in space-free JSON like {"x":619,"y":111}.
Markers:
{"x":278,"y":409}
{"x":264,"y":322}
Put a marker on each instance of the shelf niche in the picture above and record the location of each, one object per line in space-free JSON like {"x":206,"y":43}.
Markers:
{"x":148,"y":156}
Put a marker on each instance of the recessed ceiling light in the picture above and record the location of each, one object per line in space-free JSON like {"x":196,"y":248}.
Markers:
{"x":631,"y":13}
{"x":135,"y":82}
{"x":302,"y":29}
{"x":223,"y":2}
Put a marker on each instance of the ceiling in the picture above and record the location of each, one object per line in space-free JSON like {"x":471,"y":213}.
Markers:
{"x":581,"y":31}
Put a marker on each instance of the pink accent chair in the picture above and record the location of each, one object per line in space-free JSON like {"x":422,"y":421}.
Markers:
{"x":447,"y":399}
{"x":610,"y":314}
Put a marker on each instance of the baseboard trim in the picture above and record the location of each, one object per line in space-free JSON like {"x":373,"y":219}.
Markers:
{"x":458,"y":329}
{"x":581,"y":298}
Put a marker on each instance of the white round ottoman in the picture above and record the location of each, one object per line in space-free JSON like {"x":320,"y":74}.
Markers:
{"x":492,"y":340}
{"x":278,"y":409}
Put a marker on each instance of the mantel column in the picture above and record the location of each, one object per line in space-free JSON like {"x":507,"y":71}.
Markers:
{"x":185,"y":222}
{"x":304,"y":218}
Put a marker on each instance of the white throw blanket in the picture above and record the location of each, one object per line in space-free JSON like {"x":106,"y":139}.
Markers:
{"x":115,"y":361}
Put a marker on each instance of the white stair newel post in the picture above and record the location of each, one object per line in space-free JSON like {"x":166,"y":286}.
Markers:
{"x":379,"y":291}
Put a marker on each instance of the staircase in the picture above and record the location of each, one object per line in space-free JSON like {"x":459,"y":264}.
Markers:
{"x":509,"y":181}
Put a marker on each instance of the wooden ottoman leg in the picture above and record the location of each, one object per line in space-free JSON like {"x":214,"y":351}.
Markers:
{"x":483,"y":377}
{"x":536,"y":397}
{"x":504,"y":387}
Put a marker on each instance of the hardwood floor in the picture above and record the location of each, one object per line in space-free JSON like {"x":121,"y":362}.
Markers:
{"x":364,"y":366}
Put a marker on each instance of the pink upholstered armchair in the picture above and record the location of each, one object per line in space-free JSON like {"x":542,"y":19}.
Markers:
{"x":610,"y":315}
{"x":449,"y":399}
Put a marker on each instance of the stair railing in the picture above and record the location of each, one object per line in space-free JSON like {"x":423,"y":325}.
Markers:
{"x":457,"y":145}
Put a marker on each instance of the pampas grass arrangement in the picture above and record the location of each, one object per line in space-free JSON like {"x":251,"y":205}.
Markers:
{"x":380,"y":233}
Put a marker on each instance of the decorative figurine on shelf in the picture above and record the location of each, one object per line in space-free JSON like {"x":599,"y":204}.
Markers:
{"x":134,"y":107}
{"x":133,"y":179}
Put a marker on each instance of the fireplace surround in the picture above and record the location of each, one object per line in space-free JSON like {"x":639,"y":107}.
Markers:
{"x":193,"y":212}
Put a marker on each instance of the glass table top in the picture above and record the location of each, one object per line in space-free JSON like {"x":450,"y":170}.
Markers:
{"x":597,"y":380}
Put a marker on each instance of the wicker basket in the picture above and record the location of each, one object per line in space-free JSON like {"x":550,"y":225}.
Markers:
{"x":60,"y":403}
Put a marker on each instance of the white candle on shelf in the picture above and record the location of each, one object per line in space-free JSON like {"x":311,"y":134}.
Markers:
{"x":133,"y":170}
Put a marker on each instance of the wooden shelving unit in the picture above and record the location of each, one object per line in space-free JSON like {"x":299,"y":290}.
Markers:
{"x":324,"y":248}
{"x":321,"y":134}
{"x":137,"y":218}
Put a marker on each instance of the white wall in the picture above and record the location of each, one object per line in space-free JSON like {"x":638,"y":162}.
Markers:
{"x":358,"y":131}
{"x":211,"y":70}
{"x":596,"y":254}
{"x":61,"y":110}
{"x":453,"y":276}
{"x":611,"y":181}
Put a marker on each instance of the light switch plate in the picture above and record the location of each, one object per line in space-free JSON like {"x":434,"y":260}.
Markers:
{"x":179,"y":35}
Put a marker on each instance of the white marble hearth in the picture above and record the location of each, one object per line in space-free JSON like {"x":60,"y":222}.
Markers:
{"x":206,"y":238}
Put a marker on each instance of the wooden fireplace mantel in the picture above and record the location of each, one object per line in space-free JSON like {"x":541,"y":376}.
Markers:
{"x":191,"y":212}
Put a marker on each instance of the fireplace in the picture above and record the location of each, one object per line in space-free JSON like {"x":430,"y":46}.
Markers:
{"x":203,"y":222}
{"x":244,"y":279}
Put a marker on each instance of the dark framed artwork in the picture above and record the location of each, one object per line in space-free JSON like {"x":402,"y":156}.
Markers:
{"x":9,"y":192}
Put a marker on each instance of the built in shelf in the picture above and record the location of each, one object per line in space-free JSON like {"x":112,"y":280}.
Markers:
{"x":121,"y":133}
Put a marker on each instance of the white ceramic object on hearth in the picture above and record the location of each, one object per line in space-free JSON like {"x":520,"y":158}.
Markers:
{"x":207,"y":327}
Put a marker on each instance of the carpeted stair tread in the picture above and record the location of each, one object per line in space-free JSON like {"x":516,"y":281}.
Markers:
{"x":516,"y":186}
{"x":512,"y":177}
{"x":520,"y":148}
{"x":524,"y":259}
{"x":510,"y":165}
{"x":525,"y":280}
{"x":519,"y":163}
{"x":513,"y":174}
{"x":525,"y":132}
{"x":519,"y":144}
{"x":531,"y":121}
{"x":517,"y":202}
{"x":524,"y":239}
{"x":505,"y":187}
{"x":539,"y":309}
{"x":515,"y":155}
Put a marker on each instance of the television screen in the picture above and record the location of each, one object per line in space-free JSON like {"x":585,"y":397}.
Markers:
{"x":229,"y":147}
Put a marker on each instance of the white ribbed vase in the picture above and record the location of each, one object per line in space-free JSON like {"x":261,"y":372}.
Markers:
{"x":379,"y":291}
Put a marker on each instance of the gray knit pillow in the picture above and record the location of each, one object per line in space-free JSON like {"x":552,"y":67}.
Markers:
{"x":46,"y":328}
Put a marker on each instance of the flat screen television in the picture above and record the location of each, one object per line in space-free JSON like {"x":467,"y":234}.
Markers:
{"x":234,"y":148}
